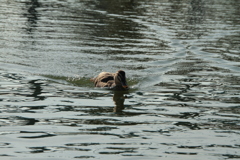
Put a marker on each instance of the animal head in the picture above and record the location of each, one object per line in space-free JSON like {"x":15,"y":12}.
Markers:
{"x":120,"y":79}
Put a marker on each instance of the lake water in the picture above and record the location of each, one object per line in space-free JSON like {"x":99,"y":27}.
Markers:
{"x":182,"y":64}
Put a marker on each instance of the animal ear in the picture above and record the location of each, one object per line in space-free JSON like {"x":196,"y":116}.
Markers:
{"x":92,"y":79}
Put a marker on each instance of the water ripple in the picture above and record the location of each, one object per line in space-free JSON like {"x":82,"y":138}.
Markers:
{"x":181,"y":60}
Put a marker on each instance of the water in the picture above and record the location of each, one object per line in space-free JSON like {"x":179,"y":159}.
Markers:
{"x":182,"y":63}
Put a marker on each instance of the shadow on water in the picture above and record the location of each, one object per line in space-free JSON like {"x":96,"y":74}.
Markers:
{"x":111,"y":28}
{"x":118,"y":7}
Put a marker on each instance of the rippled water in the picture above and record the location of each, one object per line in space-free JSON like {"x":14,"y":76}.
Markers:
{"x":181,"y":59}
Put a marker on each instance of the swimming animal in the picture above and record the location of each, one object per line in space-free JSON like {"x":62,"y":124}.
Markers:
{"x":115,"y":81}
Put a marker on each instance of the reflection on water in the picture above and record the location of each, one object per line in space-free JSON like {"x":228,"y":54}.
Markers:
{"x":32,"y":15}
{"x":37,"y":90}
{"x":118,"y":98}
{"x":181,"y":58}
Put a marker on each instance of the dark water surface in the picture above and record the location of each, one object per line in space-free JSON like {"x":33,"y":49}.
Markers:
{"x":182,"y":62}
